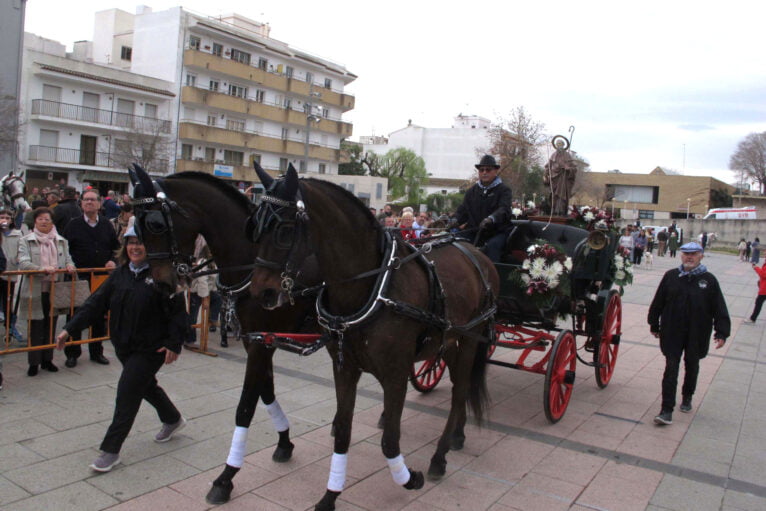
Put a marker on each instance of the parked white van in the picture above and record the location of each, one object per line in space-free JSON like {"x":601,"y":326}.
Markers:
{"x":743,"y":213}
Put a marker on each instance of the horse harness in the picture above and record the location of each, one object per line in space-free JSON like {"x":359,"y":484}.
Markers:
{"x":8,"y":196}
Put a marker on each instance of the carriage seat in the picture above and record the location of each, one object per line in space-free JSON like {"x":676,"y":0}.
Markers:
{"x":524,"y":233}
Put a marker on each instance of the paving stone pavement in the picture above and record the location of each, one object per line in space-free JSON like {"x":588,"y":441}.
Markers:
{"x":605,"y":454}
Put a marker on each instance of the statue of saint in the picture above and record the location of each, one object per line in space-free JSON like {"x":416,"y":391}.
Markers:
{"x":560,"y":173}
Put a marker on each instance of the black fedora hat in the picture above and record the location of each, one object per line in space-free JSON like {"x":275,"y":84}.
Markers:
{"x":487,"y":161}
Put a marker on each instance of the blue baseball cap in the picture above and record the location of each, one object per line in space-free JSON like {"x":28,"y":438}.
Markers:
{"x":690,"y":247}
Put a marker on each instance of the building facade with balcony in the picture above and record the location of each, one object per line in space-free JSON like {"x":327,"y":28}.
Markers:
{"x":241,"y":95}
{"x":83,"y":123}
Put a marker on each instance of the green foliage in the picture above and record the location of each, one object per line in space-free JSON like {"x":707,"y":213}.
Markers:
{"x":406,"y":174}
{"x":354,"y":166}
{"x":441,"y":203}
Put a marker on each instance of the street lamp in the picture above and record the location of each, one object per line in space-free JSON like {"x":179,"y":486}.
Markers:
{"x":688,"y":205}
{"x":309,"y":107}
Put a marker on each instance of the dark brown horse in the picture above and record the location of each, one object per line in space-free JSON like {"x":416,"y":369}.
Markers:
{"x":382,"y":305}
{"x":192,"y":203}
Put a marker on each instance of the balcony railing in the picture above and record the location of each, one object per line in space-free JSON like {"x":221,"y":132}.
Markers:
{"x":97,"y":116}
{"x":261,"y":133}
{"x":80,"y":157}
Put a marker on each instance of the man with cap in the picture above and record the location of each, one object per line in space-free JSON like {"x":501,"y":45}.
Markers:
{"x":66,"y":210}
{"x":487,"y":208}
{"x":686,"y":308}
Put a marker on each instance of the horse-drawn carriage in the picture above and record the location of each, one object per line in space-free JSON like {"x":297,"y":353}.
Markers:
{"x":530,"y":326}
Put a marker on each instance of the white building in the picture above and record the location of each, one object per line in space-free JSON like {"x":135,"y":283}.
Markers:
{"x":449,"y":153}
{"x":83,"y":122}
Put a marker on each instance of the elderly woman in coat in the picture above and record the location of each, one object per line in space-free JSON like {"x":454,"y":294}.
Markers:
{"x":42,"y":249}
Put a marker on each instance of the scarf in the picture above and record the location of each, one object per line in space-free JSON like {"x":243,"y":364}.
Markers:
{"x":48,"y":250}
{"x":493,"y":184}
{"x":696,"y":271}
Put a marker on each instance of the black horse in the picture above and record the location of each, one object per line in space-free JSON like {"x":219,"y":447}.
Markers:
{"x":169,"y":216}
{"x":384,"y":305}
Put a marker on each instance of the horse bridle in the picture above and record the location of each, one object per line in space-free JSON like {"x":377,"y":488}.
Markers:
{"x":7,"y":196}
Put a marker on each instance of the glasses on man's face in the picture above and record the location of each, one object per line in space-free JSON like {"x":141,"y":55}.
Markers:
{"x":486,"y":169}
{"x":90,"y":200}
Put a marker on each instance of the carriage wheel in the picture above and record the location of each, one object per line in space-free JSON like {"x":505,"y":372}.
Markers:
{"x":559,"y":378}
{"x":426,"y":376}
{"x":605,"y":355}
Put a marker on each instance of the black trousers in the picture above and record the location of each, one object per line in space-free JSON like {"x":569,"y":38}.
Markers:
{"x":98,"y":329}
{"x":670,"y":378}
{"x":137,"y":382}
{"x":40,"y":333}
{"x":758,"y":304}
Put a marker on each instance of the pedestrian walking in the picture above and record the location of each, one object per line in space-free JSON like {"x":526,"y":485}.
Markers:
{"x":673,"y":244}
{"x":686,"y":308}
{"x":755,"y":246}
{"x":147,"y":330}
{"x":761,"y":292}
{"x":741,"y":248}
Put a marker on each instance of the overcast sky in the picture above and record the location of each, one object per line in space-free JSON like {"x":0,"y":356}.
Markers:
{"x":671,"y":83}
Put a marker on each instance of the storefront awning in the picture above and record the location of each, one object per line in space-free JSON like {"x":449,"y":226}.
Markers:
{"x":101,"y":176}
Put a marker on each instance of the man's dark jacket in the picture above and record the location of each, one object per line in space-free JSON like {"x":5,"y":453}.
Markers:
{"x":480,"y":203}
{"x":64,"y":212}
{"x":689,"y":306}
{"x":141,"y":319}
{"x":91,"y":247}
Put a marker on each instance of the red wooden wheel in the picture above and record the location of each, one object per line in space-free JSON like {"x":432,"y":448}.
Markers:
{"x":426,"y":375}
{"x":559,"y":378}
{"x":605,"y":355}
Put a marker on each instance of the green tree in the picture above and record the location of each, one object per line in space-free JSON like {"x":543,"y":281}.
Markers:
{"x":441,"y":203}
{"x":351,"y":155}
{"x":406,"y":174}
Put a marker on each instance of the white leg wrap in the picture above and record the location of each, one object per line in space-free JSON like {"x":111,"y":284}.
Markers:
{"x":399,"y":470}
{"x":278,"y":417}
{"x":337,"y":479}
{"x":238,"y":446}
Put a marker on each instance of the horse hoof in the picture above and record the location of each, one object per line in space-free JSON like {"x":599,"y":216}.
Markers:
{"x":437,"y":470}
{"x":283,"y":454}
{"x":220,"y":493}
{"x":457,"y":443}
{"x":416,"y":481}
{"x":328,"y":501}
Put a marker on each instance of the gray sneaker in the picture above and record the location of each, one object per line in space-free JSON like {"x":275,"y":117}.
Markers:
{"x":686,"y":405}
{"x":168,"y":430}
{"x":105,"y":462}
{"x":664,"y":419}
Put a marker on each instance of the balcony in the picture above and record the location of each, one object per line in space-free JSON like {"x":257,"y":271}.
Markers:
{"x":294,"y":146}
{"x":79,"y":157}
{"x":94,"y":115}
{"x":277,"y":81}
{"x":239,"y":172}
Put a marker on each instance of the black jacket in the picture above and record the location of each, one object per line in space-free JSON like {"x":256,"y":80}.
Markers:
{"x":141,"y":320}
{"x":688,"y":307}
{"x":91,"y":247}
{"x":65,"y":211}
{"x":478,"y":204}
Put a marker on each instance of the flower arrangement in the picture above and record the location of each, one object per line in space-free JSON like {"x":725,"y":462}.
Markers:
{"x":589,"y":217}
{"x":544,"y":272}
{"x":622,"y":268}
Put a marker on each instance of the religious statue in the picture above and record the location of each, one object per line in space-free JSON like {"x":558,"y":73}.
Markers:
{"x":560,"y":173}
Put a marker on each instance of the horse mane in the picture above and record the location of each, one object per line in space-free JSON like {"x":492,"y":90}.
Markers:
{"x":228,"y":190}
{"x":359,"y":205}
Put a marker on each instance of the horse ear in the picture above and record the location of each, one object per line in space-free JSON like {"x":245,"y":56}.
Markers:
{"x":145,"y":182}
{"x":132,"y":175}
{"x":291,"y":182}
{"x":265,"y":178}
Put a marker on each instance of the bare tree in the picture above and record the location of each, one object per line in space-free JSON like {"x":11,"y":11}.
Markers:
{"x":147,"y":143}
{"x":9,"y":128}
{"x":750,"y":159}
{"x":516,"y":140}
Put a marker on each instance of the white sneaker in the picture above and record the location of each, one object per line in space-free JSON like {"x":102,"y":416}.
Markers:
{"x":749,"y":321}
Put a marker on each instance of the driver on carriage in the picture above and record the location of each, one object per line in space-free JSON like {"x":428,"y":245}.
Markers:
{"x":486,"y":208}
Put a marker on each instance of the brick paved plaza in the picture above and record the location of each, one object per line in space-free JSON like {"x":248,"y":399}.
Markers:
{"x":605,"y":454}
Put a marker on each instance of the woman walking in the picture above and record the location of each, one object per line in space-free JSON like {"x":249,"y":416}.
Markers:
{"x":761,"y":292}
{"x":147,"y":330}
{"x":756,"y":248}
{"x":741,"y":248}
{"x":673,"y":244}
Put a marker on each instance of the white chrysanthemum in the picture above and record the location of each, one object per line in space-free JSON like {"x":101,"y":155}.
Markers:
{"x":516,"y":212}
{"x":589,"y":216}
{"x":629,"y":269}
{"x":531,"y":205}
{"x":537,"y":269}
{"x":618,"y":262}
{"x":525,"y":278}
{"x":526,"y":264}
{"x":601,"y":224}
{"x":619,"y":275}
{"x":531,"y":249}
{"x":553,"y":283}
{"x":550,"y":273}
{"x":557,"y":267}
{"x":568,"y":264}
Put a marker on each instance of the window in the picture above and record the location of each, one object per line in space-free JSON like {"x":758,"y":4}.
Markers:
{"x":186,"y":151}
{"x":260,"y":95}
{"x":263,"y":63}
{"x":191,"y":80}
{"x":309,"y":77}
{"x":150,"y":110}
{"x":217,"y":49}
{"x":194,"y":42}
{"x":288,"y":102}
{"x":210,"y":154}
{"x":327,"y":83}
{"x":644,"y":213}
{"x":255,"y":158}
{"x":285,"y":132}
{"x":211,"y":120}
{"x":302,"y":166}
{"x":238,"y":91}
{"x":240,"y":56}
{"x":322,"y":168}
{"x":379,"y":191}
{"x":283,"y":164}
{"x":190,"y":114}
{"x":235,"y":124}
{"x":233,"y":157}
{"x":126,"y":53}
{"x":214,"y":84}
{"x":49,"y":138}
{"x":289,"y":71}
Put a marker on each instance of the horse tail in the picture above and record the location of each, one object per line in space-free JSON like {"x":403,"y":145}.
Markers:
{"x":478,"y":395}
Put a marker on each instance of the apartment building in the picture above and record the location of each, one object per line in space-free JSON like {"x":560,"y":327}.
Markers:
{"x":83,"y":123}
